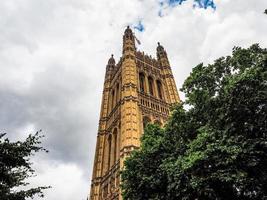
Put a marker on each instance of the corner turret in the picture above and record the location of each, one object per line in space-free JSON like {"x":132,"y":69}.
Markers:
{"x":128,"y":41}
{"x":111,"y":61}
{"x":111,"y":64}
{"x":161,"y":53}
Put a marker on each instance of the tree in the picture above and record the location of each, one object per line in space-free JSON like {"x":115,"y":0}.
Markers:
{"x":15,"y":167}
{"x":217,"y":147}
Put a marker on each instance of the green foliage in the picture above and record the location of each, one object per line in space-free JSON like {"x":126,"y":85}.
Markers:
{"x":15,"y":167}
{"x":215,"y":149}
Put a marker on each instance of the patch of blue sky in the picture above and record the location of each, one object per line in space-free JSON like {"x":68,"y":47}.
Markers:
{"x":175,"y":2}
{"x":139,"y":26}
{"x":205,"y":4}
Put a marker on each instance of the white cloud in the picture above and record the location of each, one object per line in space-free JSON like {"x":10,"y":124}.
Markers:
{"x":53,"y":56}
{"x":66,"y":180}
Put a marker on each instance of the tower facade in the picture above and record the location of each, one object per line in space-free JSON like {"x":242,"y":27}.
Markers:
{"x":138,"y":89}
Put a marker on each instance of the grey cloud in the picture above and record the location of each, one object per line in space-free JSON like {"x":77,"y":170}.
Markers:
{"x":59,"y":103}
{"x":53,"y":56}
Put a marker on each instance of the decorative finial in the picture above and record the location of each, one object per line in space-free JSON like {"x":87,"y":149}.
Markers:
{"x":111,"y":60}
{"x":158,"y":44}
{"x":128,"y":26}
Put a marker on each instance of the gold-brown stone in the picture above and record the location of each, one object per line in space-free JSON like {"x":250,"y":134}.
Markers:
{"x":137,"y":90}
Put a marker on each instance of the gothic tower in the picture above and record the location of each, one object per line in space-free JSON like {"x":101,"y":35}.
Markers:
{"x":137,"y":90}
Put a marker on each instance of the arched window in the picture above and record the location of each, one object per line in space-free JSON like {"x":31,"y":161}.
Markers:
{"x":118,"y":93}
{"x":158,"y":122}
{"x":159,"y":88}
{"x":142,"y":82}
{"x":115,"y":133}
{"x":109,"y":150}
{"x":146,"y":120}
{"x":150,"y":85}
{"x":112,"y":99}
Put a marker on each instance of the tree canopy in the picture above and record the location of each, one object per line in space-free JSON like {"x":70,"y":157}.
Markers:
{"x":214,"y":144}
{"x":15,"y":167}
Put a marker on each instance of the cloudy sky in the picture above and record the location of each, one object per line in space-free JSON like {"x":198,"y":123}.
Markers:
{"x":53,"y":55}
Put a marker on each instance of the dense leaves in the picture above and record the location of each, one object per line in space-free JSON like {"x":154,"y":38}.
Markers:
{"x":15,"y":167}
{"x":217,"y":147}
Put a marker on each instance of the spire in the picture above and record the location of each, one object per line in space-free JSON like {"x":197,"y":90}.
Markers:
{"x":110,"y":66}
{"x":128,"y":31}
{"x":160,"y":48}
{"x":128,"y":34}
{"x":111,"y":61}
{"x":161,"y":51}
{"x":128,"y":40}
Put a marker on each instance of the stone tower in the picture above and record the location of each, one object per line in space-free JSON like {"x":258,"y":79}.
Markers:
{"x":137,"y":90}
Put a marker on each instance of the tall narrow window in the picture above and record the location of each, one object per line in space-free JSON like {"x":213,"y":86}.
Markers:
{"x":159,"y":87}
{"x":109,"y":150}
{"x":150,"y":85}
{"x":118,"y":93}
{"x":115,"y":145}
{"x":142,"y":82}
{"x":146,"y":120}
{"x":112,"y":98}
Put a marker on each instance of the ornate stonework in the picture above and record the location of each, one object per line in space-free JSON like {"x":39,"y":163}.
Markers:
{"x":137,"y":90}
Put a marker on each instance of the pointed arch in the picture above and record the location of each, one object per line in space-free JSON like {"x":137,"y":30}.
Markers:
{"x":115,"y":144}
{"x":146,"y":120}
{"x":142,"y":82}
{"x":159,"y":89}
{"x":151,"y":85}
{"x":109,"y":150}
{"x":117,"y":93}
{"x":112,"y":99}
